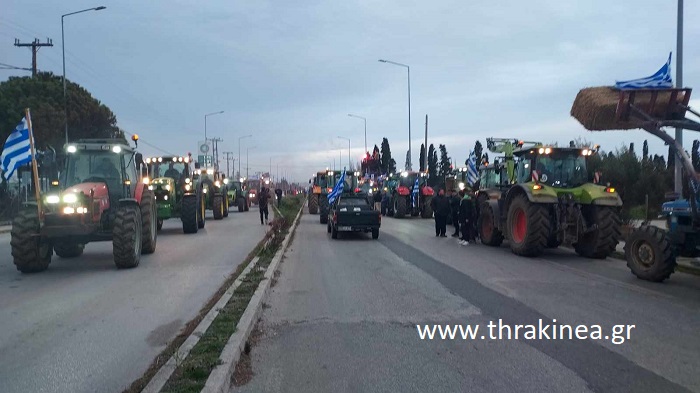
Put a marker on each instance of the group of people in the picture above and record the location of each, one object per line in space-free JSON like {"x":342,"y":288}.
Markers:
{"x":461,"y":208}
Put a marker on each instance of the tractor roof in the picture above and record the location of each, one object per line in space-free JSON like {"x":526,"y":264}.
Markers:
{"x":100,"y":145}
{"x":166,"y":159}
{"x":551,"y":149}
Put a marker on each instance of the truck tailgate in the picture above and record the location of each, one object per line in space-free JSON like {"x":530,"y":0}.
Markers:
{"x":358,"y":218}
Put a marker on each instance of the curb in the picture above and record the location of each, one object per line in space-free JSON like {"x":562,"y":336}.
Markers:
{"x":166,"y":370}
{"x":219,"y":380}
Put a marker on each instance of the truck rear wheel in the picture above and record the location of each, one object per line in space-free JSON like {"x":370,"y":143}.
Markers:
{"x":313,"y":204}
{"x":126,"y":237}
{"x":399,"y":206}
{"x":602,"y":241}
{"x":427,"y":211}
{"x":488,"y":233}
{"x":528,"y":226}
{"x":649,"y":254}
{"x":149,"y":221}
{"x":30,"y":253}
{"x":68,"y":250}
{"x":189,"y":215}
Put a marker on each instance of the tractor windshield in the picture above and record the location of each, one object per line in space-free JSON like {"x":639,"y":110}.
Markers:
{"x":320,"y":181}
{"x":562,"y":169}
{"x":173,"y":170}
{"x":92,"y":166}
{"x":409,"y":181}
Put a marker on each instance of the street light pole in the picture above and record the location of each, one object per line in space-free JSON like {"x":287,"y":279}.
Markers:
{"x":239,"y":152}
{"x":246,"y":160}
{"x":678,"y":178}
{"x":63,"y":50}
{"x":409,"y":103}
{"x":348,"y":139}
{"x":360,"y":117}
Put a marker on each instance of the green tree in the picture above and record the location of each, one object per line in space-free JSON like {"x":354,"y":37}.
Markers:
{"x":87,"y":117}
{"x":444,"y":163}
{"x":432,"y":166}
{"x":386,"y":157}
{"x":408,"y":161}
{"x":422,"y":158}
{"x":645,"y":151}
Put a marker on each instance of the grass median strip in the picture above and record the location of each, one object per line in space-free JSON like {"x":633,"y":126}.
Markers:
{"x":192,"y":372}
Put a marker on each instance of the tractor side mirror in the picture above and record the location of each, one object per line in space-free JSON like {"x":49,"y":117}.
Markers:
{"x":139,"y":159}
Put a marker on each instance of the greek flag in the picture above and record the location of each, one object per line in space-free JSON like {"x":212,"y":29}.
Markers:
{"x":338,"y":189}
{"x":661,"y":79}
{"x":414,"y":193}
{"x":16,"y":151}
{"x":472,"y":174}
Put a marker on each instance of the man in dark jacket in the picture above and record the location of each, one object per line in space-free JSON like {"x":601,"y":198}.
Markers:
{"x":441,"y":208}
{"x":278,"y":192}
{"x":263,"y":198}
{"x":466,"y":216}
{"x":377,"y":199}
{"x":454,"y":208}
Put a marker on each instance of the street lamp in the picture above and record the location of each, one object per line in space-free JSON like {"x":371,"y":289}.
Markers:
{"x":63,"y":49}
{"x":205,"y":122}
{"x":246,"y":160}
{"x":348,"y":139}
{"x":239,"y":152}
{"x":409,"y":103}
{"x":360,"y":117}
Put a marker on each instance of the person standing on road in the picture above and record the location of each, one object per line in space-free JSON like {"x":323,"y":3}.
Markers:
{"x":441,"y":208}
{"x":454,"y":208}
{"x":278,"y":192}
{"x":466,"y":214}
{"x":262,"y":204}
{"x":377,"y":198}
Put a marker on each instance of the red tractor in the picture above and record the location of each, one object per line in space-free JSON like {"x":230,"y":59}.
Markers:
{"x":101,"y":196}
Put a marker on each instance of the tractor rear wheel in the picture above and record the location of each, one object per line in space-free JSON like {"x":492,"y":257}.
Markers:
{"x":528,"y":227}
{"x":30,"y":254}
{"x":427,"y":211}
{"x":649,"y":254}
{"x":488,"y":233}
{"x":399,"y":207}
{"x":68,"y":250}
{"x":189,"y":215}
{"x":217,"y":206}
{"x":126,"y":237}
{"x":241,"y":204}
{"x":202,"y":211}
{"x":313,"y":204}
{"x":226,"y":205}
{"x":600,"y":242}
{"x":149,"y":221}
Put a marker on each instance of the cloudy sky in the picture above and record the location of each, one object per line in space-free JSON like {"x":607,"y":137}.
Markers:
{"x":289,"y":72}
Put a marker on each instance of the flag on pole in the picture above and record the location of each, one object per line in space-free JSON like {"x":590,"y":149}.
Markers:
{"x":661,"y":79}
{"x":17,"y":150}
{"x":414,"y":193}
{"x":472,"y":174}
{"x":338,"y":189}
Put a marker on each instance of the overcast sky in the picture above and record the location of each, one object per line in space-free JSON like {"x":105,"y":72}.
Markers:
{"x":289,"y":72}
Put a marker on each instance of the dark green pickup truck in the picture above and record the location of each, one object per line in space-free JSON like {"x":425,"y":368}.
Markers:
{"x":352,"y":213}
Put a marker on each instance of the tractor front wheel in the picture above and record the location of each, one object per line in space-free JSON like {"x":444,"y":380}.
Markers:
{"x":149,"y":221}
{"x":602,"y":241}
{"x":528,"y":226}
{"x":217,"y":206}
{"x":488,"y":233}
{"x":189,"y":214}
{"x":649,"y":254}
{"x":68,"y":250}
{"x":399,"y":207}
{"x":226,"y":205}
{"x":427,"y":211}
{"x":30,"y":253}
{"x":126,"y":237}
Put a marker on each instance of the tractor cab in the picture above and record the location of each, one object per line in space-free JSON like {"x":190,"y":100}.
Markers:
{"x":553,"y":166}
{"x":457,"y":180}
{"x":351,"y":181}
{"x":170,"y":175}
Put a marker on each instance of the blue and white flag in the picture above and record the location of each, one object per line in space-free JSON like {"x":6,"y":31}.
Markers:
{"x":472,"y":174}
{"x":338,"y":189}
{"x":661,"y":79}
{"x":17,"y":151}
{"x":414,"y":192}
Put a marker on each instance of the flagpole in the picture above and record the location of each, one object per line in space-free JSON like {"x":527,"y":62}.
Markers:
{"x":35,"y":170}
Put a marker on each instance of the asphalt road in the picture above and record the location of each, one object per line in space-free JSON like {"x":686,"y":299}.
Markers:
{"x":84,"y":326}
{"x":342,"y":317}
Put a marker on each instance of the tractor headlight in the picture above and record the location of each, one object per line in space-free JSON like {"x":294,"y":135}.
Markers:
{"x":204,"y":190}
{"x":461,"y":186}
{"x":68,"y":210}
{"x":165,"y":197}
{"x":70,"y":198}
{"x":81,"y":210}
{"x":226,"y":181}
{"x":150,"y":188}
{"x":187,"y":187}
{"x":167,"y":187}
{"x":187,"y":180}
{"x":145,"y":180}
{"x":53,"y":199}
{"x":217,"y":184}
{"x":251,"y":195}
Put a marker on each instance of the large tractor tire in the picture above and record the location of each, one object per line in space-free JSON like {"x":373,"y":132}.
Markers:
{"x":149,"y":222}
{"x":486,"y":224}
{"x":323,"y":209}
{"x":528,"y":227}
{"x":126,"y":237}
{"x":399,"y":206}
{"x":226,"y":205}
{"x":602,"y":241}
{"x":30,"y":254}
{"x":202,"y":211}
{"x":427,"y":211}
{"x":649,"y":254}
{"x":189,"y":214}
{"x":241,"y":204}
{"x":68,"y":250}
{"x":313,"y":204}
{"x":217,"y":207}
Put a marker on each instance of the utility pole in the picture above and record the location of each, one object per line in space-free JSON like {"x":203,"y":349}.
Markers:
{"x":228,"y":158}
{"x":425,"y":158}
{"x":216,"y":151}
{"x":35,"y":45}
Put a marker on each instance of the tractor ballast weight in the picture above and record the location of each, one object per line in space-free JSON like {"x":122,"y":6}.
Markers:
{"x":651,"y":252}
{"x":101,"y":196}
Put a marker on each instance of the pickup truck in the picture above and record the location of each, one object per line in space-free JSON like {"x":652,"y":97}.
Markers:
{"x":352,"y":213}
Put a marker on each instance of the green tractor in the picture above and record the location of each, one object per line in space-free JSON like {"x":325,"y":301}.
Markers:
{"x":551,"y":203}
{"x":177,"y":192}
{"x":237,"y":195}
{"x":214,"y":191}
{"x":332,"y":178}
{"x":410,"y":194}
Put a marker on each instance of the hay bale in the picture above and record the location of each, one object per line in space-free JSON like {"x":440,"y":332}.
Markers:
{"x":595,"y":108}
